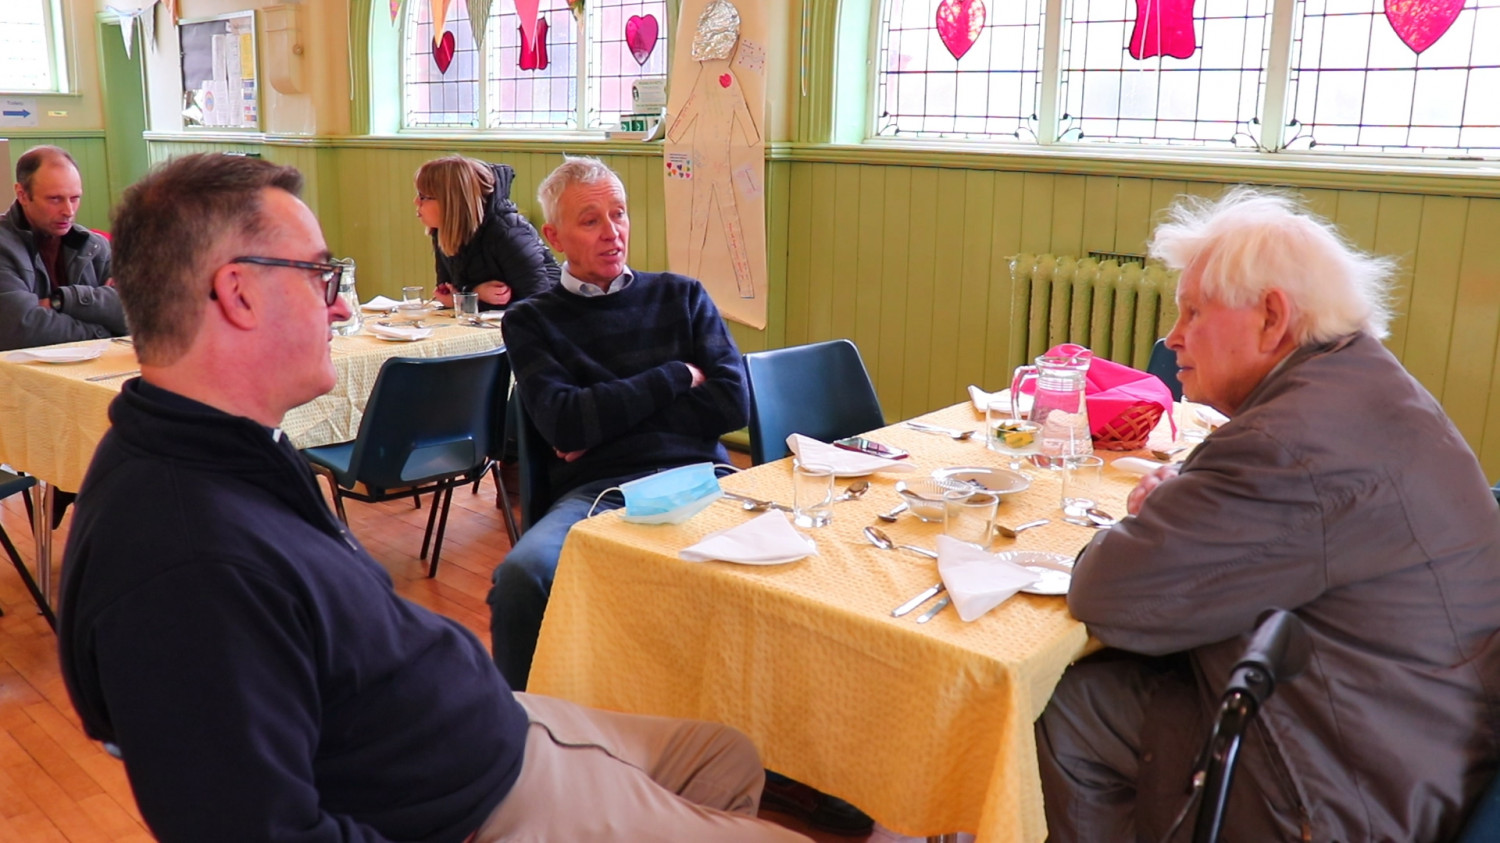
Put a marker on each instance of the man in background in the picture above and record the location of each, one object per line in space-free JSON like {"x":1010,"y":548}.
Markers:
{"x":53,"y":271}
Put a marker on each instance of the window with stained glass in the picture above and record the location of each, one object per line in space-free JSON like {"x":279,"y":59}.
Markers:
{"x":31,"y":47}
{"x":535,"y":61}
{"x":1343,"y":76}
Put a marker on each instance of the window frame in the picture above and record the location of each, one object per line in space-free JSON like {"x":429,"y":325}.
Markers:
{"x":481,"y":128}
{"x":1275,"y":132}
{"x":58,"y":55}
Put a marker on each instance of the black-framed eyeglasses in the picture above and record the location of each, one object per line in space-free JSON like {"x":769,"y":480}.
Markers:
{"x":331,"y":274}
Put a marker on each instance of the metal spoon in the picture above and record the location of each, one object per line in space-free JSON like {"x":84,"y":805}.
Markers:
{"x":878,"y":538}
{"x":750,"y":504}
{"x":1012,"y":532}
{"x":958,"y":435}
{"x":890,"y":517}
{"x":1100,"y":517}
{"x":854,"y":490}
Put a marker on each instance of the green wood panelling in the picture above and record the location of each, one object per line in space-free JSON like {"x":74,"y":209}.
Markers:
{"x":910,"y":259}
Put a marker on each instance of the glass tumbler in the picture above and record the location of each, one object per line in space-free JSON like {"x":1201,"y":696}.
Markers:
{"x":970,"y":516}
{"x":412,"y":299}
{"x":812,"y":494}
{"x":1083,"y":479}
{"x":466,"y":308}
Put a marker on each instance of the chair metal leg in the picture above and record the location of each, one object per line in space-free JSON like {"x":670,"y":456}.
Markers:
{"x":333,"y":486}
{"x":432,"y":514}
{"x":502,"y":500}
{"x":31,"y":586}
{"x":442,"y":526}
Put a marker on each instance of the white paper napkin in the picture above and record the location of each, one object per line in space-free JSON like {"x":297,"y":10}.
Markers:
{"x":1136,"y":465}
{"x":492,"y":315}
{"x":977,"y":581}
{"x":844,"y":463}
{"x":767,"y":539}
{"x":75,"y":354}
{"x":381,"y":304}
{"x":982,"y":399}
{"x":399,"y":332}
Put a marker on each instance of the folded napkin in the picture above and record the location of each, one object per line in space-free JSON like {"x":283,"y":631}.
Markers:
{"x":982,"y":399}
{"x":977,"y":581}
{"x":767,"y":539}
{"x":381,"y":304}
{"x":75,"y":354}
{"x":1211,"y":418}
{"x":491,"y":315}
{"x":399,"y":332}
{"x":1136,"y":465}
{"x":843,"y":462}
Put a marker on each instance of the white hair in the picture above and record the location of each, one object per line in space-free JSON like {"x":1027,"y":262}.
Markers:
{"x":575,"y":169}
{"x":1250,"y":241}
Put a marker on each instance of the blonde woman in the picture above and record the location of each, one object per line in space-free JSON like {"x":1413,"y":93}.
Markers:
{"x":480,"y":240}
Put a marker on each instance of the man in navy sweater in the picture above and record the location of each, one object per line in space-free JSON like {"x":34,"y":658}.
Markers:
{"x":624,"y":373}
{"x":239,"y":650}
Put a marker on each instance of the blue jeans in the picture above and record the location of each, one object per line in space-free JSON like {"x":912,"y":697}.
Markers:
{"x":523,"y":582}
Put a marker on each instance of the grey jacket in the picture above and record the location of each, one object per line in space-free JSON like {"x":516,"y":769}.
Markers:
{"x":86,"y":308}
{"x":1341,"y":491}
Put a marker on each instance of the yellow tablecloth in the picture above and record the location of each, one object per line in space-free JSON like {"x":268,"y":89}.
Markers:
{"x":927,"y":727}
{"x":52,"y":417}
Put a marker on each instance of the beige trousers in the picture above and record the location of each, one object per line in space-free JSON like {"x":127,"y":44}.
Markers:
{"x":592,"y":775}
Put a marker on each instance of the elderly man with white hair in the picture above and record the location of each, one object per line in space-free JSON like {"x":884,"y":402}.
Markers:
{"x":1338,"y":490}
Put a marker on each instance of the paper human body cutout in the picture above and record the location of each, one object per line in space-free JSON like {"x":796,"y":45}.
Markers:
{"x":714,"y":121}
{"x":1163,"y":28}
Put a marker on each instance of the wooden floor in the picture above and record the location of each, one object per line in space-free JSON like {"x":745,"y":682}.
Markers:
{"x":57,"y":785}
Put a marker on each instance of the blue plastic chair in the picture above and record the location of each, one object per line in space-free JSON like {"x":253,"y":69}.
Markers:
{"x":1163,"y":364}
{"x":821,"y":390}
{"x":503,"y":420}
{"x":11,"y":484}
{"x":426,"y":428}
{"x":535,"y":458}
{"x":1484,"y":824}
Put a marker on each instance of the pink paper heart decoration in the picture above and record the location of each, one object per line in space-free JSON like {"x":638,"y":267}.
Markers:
{"x":959,"y":23}
{"x":725,"y":80}
{"x":1420,"y":23}
{"x":640,"y":36}
{"x":526,"y":11}
{"x":442,"y":52}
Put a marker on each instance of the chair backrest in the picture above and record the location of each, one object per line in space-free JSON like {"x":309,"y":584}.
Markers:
{"x":1163,"y":364}
{"x":426,"y":419}
{"x":821,"y":390}
{"x":1484,"y":824}
{"x":500,"y":420}
{"x":535,"y":455}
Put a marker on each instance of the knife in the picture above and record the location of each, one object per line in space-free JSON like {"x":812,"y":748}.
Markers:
{"x":913,"y":603}
{"x":932,"y":613}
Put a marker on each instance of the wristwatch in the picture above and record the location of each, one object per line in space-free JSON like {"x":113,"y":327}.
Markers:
{"x":57,"y":299}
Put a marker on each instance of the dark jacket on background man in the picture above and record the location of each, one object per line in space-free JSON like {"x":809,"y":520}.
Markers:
{"x":253,"y":664}
{"x":505,"y":248}
{"x":83,"y":308}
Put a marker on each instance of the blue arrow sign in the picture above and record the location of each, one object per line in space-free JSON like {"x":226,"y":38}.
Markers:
{"x":22,"y":113}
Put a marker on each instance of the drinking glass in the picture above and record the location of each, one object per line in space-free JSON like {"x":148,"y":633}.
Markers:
{"x":970,"y":516}
{"x":412,"y":299}
{"x":466,"y":308}
{"x":1013,"y":437}
{"x":812,"y":494}
{"x":1082,"y":483}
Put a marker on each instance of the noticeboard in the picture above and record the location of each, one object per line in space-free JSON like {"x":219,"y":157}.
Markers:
{"x":220,"y":86}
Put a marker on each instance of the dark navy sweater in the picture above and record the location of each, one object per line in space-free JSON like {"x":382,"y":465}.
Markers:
{"x":254,"y":665}
{"x":606,"y":374}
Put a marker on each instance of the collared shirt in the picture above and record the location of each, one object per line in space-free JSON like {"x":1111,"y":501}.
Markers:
{"x":586,"y":289}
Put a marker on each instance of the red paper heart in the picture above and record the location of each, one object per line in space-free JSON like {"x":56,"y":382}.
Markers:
{"x":640,"y":36}
{"x":1420,"y":23}
{"x":726,"y":80}
{"x":442,"y":52}
{"x":959,"y":23}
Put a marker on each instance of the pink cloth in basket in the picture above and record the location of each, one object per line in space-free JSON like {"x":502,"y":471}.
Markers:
{"x":1114,"y":388}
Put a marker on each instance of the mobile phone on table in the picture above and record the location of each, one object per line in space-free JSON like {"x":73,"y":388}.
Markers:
{"x":870,"y":446}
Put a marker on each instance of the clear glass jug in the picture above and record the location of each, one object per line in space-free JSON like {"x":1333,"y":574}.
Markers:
{"x":350,"y":296}
{"x":1059,"y":405}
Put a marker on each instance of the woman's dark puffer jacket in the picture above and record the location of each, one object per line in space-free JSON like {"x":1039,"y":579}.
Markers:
{"x":505,"y":248}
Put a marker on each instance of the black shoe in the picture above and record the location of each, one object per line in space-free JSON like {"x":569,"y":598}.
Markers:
{"x":817,"y":809}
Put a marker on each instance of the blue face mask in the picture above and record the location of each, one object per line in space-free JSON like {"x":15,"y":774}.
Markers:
{"x":672,"y":496}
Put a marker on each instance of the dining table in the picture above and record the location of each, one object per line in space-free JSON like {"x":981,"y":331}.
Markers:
{"x":926,"y":726}
{"x":53,"y":415}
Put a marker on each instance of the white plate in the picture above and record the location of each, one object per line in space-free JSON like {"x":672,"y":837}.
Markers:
{"x":400,"y":339}
{"x":1001,"y":481}
{"x":56,"y":355}
{"x":1055,"y":569}
{"x":781,"y":560}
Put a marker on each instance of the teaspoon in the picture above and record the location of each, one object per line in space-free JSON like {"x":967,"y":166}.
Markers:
{"x":878,"y":538}
{"x":1012,"y":532}
{"x":958,"y":435}
{"x":854,"y":490}
{"x":890,"y":517}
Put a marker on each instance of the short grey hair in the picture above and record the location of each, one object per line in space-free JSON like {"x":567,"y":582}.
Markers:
{"x":1252,"y":240}
{"x":575,"y":169}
